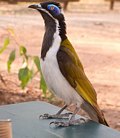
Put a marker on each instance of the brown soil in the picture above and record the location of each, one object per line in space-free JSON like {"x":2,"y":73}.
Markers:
{"x":96,"y":38}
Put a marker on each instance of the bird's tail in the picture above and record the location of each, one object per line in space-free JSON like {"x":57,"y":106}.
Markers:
{"x":95,"y":113}
{"x":102,"y":119}
{"x":100,"y":116}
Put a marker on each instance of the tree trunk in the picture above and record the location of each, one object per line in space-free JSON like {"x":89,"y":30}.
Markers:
{"x":13,"y":1}
{"x":112,"y":4}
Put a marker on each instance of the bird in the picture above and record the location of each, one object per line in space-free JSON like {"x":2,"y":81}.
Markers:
{"x":62,"y":69}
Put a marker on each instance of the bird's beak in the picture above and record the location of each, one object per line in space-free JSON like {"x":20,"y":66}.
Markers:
{"x":35,"y":6}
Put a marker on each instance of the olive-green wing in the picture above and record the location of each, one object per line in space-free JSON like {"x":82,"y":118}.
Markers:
{"x":73,"y":71}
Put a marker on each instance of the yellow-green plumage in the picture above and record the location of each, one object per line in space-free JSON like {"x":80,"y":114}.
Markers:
{"x":73,"y":71}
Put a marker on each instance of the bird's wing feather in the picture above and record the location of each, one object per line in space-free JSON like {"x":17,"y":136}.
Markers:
{"x":73,"y":71}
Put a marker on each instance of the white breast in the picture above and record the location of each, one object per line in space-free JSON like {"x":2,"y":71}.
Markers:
{"x":55,"y":81}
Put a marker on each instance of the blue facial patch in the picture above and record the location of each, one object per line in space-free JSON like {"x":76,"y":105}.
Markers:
{"x":54,"y":9}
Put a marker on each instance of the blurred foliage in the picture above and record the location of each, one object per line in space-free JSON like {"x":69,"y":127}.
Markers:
{"x":6,"y":43}
{"x":11,"y":59}
{"x":30,"y":64}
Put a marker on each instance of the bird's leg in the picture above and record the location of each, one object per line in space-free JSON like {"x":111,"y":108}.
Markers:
{"x":72,"y":120}
{"x":58,"y":115}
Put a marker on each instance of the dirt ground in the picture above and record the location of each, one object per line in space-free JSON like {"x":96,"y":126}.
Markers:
{"x":94,"y":35}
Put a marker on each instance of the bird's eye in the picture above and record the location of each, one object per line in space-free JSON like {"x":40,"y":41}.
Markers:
{"x":53,"y":8}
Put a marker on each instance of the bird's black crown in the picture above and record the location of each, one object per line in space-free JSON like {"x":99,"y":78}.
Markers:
{"x":45,"y":4}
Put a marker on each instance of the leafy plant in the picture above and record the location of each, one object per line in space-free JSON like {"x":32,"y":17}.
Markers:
{"x":11,"y":59}
{"x":26,"y":72}
{"x":5,"y":45}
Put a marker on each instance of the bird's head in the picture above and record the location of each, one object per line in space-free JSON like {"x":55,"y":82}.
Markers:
{"x":52,"y":15}
{"x":49,"y":10}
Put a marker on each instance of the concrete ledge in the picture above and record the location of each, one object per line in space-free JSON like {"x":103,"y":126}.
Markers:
{"x":26,"y":123}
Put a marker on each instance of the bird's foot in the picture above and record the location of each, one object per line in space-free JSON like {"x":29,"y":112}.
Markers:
{"x":59,"y":124}
{"x":56,"y":116}
{"x":69,"y":123}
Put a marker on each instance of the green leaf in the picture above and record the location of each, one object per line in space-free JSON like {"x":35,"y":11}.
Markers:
{"x":11,"y":31}
{"x":25,"y":75}
{"x":43,"y":85}
{"x":6,"y":43}
{"x":37,"y":62}
{"x":23,"y":50}
{"x":11,"y":59}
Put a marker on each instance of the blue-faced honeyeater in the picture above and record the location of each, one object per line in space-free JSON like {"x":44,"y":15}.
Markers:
{"x":62,"y":69}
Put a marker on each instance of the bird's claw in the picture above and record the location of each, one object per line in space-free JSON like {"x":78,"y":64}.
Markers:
{"x":65,"y":115}
{"x":45,"y":116}
{"x":56,"y":116}
{"x":69,"y":123}
{"x":59,"y":124}
{"x":78,"y":121}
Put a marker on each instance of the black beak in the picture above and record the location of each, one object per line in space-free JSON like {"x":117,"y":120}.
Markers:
{"x":35,"y":6}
